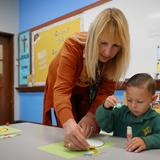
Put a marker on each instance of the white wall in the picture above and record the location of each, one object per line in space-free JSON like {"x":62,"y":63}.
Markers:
{"x":144,"y":23}
{"x":9,"y":23}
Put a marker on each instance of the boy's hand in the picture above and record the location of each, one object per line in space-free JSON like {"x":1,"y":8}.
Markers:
{"x":110,"y":101}
{"x":136,"y":145}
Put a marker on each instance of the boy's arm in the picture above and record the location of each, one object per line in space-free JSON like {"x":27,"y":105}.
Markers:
{"x":104,"y":118}
{"x":153,"y":141}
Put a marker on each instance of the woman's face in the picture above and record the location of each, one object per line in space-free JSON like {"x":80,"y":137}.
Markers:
{"x":107,"y":49}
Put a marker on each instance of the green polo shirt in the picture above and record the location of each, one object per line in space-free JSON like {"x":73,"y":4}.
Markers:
{"x":146,"y":126}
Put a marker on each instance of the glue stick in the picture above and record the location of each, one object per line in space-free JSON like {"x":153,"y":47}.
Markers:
{"x":129,"y":133}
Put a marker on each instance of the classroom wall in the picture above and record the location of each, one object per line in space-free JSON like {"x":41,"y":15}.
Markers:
{"x":144,"y":24}
{"x":36,"y":12}
{"x":9,"y":13}
{"x":33,"y":13}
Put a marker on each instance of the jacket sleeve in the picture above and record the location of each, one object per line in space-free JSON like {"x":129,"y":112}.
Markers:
{"x":152,"y":141}
{"x":104,"y":118}
{"x":66,"y":76}
{"x":106,"y":88}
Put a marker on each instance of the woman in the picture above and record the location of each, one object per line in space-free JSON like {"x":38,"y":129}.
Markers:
{"x":84,"y":74}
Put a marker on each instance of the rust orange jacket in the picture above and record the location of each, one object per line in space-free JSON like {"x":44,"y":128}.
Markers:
{"x":63,"y":73}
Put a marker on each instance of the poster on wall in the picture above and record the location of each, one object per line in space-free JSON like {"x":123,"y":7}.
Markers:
{"x":24,"y":57}
{"x":46,"y":43}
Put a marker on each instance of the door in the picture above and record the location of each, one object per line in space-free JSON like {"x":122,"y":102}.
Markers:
{"x":6,"y":78}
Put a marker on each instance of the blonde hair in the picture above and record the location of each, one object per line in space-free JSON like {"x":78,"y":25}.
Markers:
{"x":113,"y":23}
{"x":80,"y":37}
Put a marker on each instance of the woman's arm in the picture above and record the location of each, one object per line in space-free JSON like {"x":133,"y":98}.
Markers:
{"x":68,"y":70}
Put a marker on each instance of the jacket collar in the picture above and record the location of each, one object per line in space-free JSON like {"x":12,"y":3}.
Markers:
{"x":148,"y":115}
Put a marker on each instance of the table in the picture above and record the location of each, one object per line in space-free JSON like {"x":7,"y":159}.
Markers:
{"x":25,"y":146}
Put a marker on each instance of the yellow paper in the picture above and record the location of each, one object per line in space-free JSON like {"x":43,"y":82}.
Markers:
{"x":59,"y":150}
{"x":6,"y":130}
{"x":47,"y":43}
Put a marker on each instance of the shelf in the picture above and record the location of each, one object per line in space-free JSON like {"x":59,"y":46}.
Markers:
{"x":30,"y":89}
{"x":121,"y":86}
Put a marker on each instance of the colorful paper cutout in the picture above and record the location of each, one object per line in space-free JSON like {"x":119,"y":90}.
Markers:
{"x":59,"y":150}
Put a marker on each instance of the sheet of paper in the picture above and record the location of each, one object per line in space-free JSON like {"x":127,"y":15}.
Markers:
{"x":158,"y":110}
{"x":59,"y":150}
{"x":95,"y":143}
{"x":6,"y":130}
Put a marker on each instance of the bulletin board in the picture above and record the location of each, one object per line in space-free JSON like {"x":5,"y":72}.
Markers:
{"x":46,"y":43}
{"x":24,"y":57}
{"x":144,"y":28}
{"x":43,"y":43}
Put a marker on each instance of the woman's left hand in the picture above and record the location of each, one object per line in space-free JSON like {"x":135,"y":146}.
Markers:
{"x":136,"y":145}
{"x":88,"y":124}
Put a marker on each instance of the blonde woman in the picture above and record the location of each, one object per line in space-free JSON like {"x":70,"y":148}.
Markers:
{"x":84,"y":73}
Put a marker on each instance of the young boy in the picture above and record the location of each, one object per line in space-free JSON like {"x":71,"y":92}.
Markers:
{"x":145,"y":122}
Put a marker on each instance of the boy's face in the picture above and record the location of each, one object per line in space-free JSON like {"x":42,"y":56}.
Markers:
{"x":138,"y":100}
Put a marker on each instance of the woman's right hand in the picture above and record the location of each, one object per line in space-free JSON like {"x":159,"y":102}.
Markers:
{"x":74,"y":138}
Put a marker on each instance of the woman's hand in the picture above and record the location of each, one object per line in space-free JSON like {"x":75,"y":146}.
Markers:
{"x":88,"y":124}
{"x":111,"y":101}
{"x":74,"y":138}
{"x":136,"y":145}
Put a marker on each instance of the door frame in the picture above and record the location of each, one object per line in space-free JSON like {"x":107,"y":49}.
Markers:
{"x":11,"y":62}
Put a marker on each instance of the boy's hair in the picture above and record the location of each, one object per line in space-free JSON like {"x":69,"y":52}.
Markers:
{"x":142,"y":80}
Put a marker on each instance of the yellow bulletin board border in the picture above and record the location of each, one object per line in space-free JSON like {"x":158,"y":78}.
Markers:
{"x":46,"y":43}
